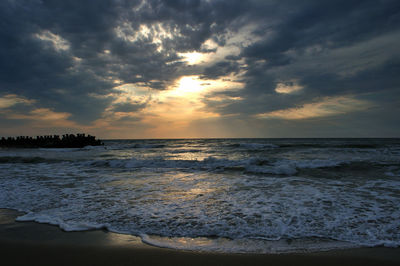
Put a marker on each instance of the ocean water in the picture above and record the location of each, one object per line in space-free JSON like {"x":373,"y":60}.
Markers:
{"x":225,"y":195}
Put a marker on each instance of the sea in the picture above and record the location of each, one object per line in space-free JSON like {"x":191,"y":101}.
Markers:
{"x":218,"y":195}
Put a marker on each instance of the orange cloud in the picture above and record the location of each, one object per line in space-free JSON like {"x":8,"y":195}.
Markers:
{"x":288,"y":87}
{"x":328,"y":106}
{"x":10,"y":100}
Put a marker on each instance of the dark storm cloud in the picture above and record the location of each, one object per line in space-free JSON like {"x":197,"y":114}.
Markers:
{"x":33,"y":68}
{"x":330,"y":48}
{"x":328,"y":23}
{"x":222,"y":68}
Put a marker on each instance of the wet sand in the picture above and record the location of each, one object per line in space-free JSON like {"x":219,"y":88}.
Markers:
{"x":28,"y":243}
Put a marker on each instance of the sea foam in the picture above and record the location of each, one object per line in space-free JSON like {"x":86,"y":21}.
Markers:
{"x":215,"y":196}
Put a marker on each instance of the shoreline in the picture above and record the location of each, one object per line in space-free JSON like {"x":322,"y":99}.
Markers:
{"x":31,"y":243}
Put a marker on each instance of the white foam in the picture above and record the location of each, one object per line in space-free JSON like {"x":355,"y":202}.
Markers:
{"x":224,"y":245}
{"x":329,"y":209}
{"x":66,"y":226}
{"x":257,"y":201}
{"x":287,"y":167}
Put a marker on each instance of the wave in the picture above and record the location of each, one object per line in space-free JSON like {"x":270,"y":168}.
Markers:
{"x":147,"y":146}
{"x":151,"y":190}
{"x":254,"y":146}
{"x":175,"y":151}
{"x":69,"y":227}
{"x":253,"y":165}
{"x":328,"y":145}
{"x":127,"y":145}
{"x":216,"y":243}
{"x":245,"y":246}
{"x":214,"y":164}
{"x":331,"y":145}
{"x":298,"y":211}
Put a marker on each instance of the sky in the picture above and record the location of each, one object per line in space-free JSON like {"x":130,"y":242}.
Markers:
{"x":200,"y":68}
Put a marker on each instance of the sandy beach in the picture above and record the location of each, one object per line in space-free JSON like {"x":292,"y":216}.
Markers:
{"x":28,"y":243}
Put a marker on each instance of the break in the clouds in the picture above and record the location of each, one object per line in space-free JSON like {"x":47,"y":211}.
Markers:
{"x":200,"y":68}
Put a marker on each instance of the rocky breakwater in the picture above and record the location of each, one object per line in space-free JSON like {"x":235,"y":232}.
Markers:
{"x":51,"y":141}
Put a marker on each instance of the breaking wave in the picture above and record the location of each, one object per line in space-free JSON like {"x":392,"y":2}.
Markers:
{"x":252,"y":165}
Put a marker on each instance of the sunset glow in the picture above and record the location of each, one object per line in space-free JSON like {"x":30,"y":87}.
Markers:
{"x":192,"y":58}
{"x":188,"y":85}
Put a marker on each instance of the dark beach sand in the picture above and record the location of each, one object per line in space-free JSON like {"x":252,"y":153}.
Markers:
{"x":28,"y":243}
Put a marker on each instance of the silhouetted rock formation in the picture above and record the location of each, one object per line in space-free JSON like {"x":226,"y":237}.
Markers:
{"x":52,"y":141}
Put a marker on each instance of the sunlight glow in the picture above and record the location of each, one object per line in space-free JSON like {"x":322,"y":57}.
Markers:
{"x":170,"y":113}
{"x":189,"y":84}
{"x":192,"y":58}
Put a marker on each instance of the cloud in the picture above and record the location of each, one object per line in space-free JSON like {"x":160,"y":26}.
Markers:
{"x":57,"y":43}
{"x":222,"y":68}
{"x":71,"y":58}
{"x":287,"y":87}
{"x":10,"y":100}
{"x":128,"y":107}
{"x":41,"y":114}
{"x":349,"y":48}
{"x":326,"y":107}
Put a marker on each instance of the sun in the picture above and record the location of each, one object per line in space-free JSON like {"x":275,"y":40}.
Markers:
{"x":189,"y":84}
{"x":186,"y":86}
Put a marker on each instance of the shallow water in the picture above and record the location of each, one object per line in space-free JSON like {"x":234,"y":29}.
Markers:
{"x":228,"y":195}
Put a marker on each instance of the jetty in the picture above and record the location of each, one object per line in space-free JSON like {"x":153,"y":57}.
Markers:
{"x":51,"y":141}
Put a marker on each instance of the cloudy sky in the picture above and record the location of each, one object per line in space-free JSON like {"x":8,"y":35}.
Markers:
{"x":200,"y":68}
